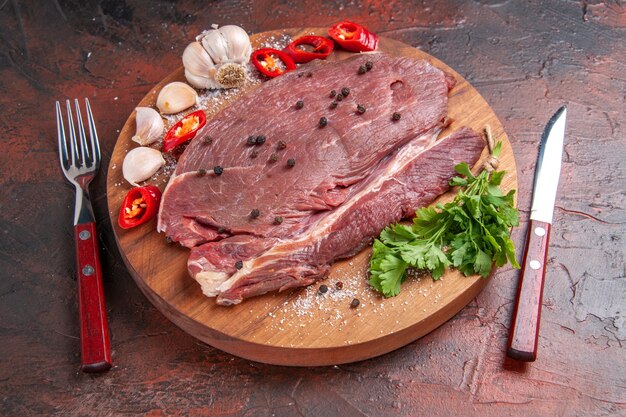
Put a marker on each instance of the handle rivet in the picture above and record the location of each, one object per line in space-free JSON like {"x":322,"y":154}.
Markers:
{"x":88,"y":270}
{"x":535,"y":264}
{"x":84,"y":235}
{"x":540,"y":231}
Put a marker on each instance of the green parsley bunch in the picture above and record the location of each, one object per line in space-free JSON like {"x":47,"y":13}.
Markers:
{"x":470,"y":233}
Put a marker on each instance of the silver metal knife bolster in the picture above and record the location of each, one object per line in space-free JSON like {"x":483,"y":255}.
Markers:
{"x":543,"y":215}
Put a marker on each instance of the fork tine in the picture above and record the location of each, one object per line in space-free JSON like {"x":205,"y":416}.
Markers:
{"x":61,"y":136}
{"x":84,"y":152}
{"x":73,"y":145}
{"x":93,"y":136}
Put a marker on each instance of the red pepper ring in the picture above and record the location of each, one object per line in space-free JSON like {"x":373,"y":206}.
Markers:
{"x":353,"y":37}
{"x":184,"y":130}
{"x":268,"y":60}
{"x":139,"y":206}
{"x":322,"y":47}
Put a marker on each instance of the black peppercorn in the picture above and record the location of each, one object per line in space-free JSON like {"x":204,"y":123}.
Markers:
{"x":254,"y":154}
{"x":396,"y":116}
{"x":323,"y":289}
{"x":323,"y":121}
{"x":208,"y":140}
{"x":278,"y":220}
{"x":360,"y":109}
{"x":309,"y":74}
{"x":362,"y":69}
{"x":339,"y":285}
{"x":291,"y":162}
{"x":354,"y":303}
{"x":239,"y":264}
{"x":260,"y":140}
{"x":333,"y":93}
{"x":168,"y":240}
{"x":218,"y":170}
{"x":201,"y":172}
{"x":339,"y":97}
{"x":369,"y":65}
{"x":273,"y":158}
{"x":255,"y":213}
{"x":281,"y":145}
{"x":251,"y":141}
{"x":299,"y":104}
{"x":333,"y":105}
{"x":221,"y":230}
{"x":345,"y":91}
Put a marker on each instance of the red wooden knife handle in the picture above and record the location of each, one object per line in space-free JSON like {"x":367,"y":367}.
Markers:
{"x":94,"y":328}
{"x":524,"y":333}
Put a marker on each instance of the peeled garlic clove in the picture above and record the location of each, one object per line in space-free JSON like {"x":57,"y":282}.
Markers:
{"x":149,"y":126}
{"x":196,"y":60}
{"x":238,"y":43}
{"x":199,"y":81}
{"x":141,"y":163}
{"x":176,"y":97}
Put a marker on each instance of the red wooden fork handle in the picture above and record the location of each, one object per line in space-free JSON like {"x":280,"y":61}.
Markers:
{"x":524,"y":333}
{"x":94,"y":328}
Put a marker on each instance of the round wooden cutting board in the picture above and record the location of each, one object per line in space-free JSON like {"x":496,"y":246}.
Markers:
{"x":300,"y":327}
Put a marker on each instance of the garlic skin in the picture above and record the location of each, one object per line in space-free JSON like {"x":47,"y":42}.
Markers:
{"x":217,"y":58}
{"x":215,"y":44}
{"x":200,"y":82}
{"x":149,"y":126}
{"x":141,"y":163}
{"x":238,"y":41}
{"x":199,"y":67}
{"x":176,"y":97}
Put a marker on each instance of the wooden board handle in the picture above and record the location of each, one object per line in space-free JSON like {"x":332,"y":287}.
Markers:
{"x":524,"y":333}
{"x":94,"y":328}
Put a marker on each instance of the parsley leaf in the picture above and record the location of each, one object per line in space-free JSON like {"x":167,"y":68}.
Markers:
{"x":393,"y":276}
{"x":482,"y":263}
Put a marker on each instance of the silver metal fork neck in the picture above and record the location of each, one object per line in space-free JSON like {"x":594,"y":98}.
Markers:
{"x":83,"y":213}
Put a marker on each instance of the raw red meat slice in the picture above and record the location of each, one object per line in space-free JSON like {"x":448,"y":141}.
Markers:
{"x":265,"y":225}
{"x":329,"y":160}
{"x":412,"y":178}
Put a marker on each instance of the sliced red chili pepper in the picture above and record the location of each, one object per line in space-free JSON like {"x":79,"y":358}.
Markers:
{"x":184,"y":130}
{"x":272,"y":62}
{"x":139,"y":206}
{"x":322,"y":47}
{"x":353,"y":37}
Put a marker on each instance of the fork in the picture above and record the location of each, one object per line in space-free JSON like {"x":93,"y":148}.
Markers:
{"x":80,"y":166}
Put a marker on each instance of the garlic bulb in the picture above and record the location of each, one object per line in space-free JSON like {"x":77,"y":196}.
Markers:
{"x":141,"y":163}
{"x":149,"y":126}
{"x":176,"y":97}
{"x":217,"y":58}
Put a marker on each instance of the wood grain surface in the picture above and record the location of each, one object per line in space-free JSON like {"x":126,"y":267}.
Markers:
{"x":527,"y":58}
{"x":301,"y":327}
{"x":526,"y":321}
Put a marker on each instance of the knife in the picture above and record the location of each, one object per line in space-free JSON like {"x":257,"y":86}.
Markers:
{"x":524,"y":333}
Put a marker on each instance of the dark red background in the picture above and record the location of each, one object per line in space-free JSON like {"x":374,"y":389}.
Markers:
{"x":526,"y":58}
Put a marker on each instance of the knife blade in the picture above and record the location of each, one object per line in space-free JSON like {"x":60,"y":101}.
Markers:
{"x":524,"y":333}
